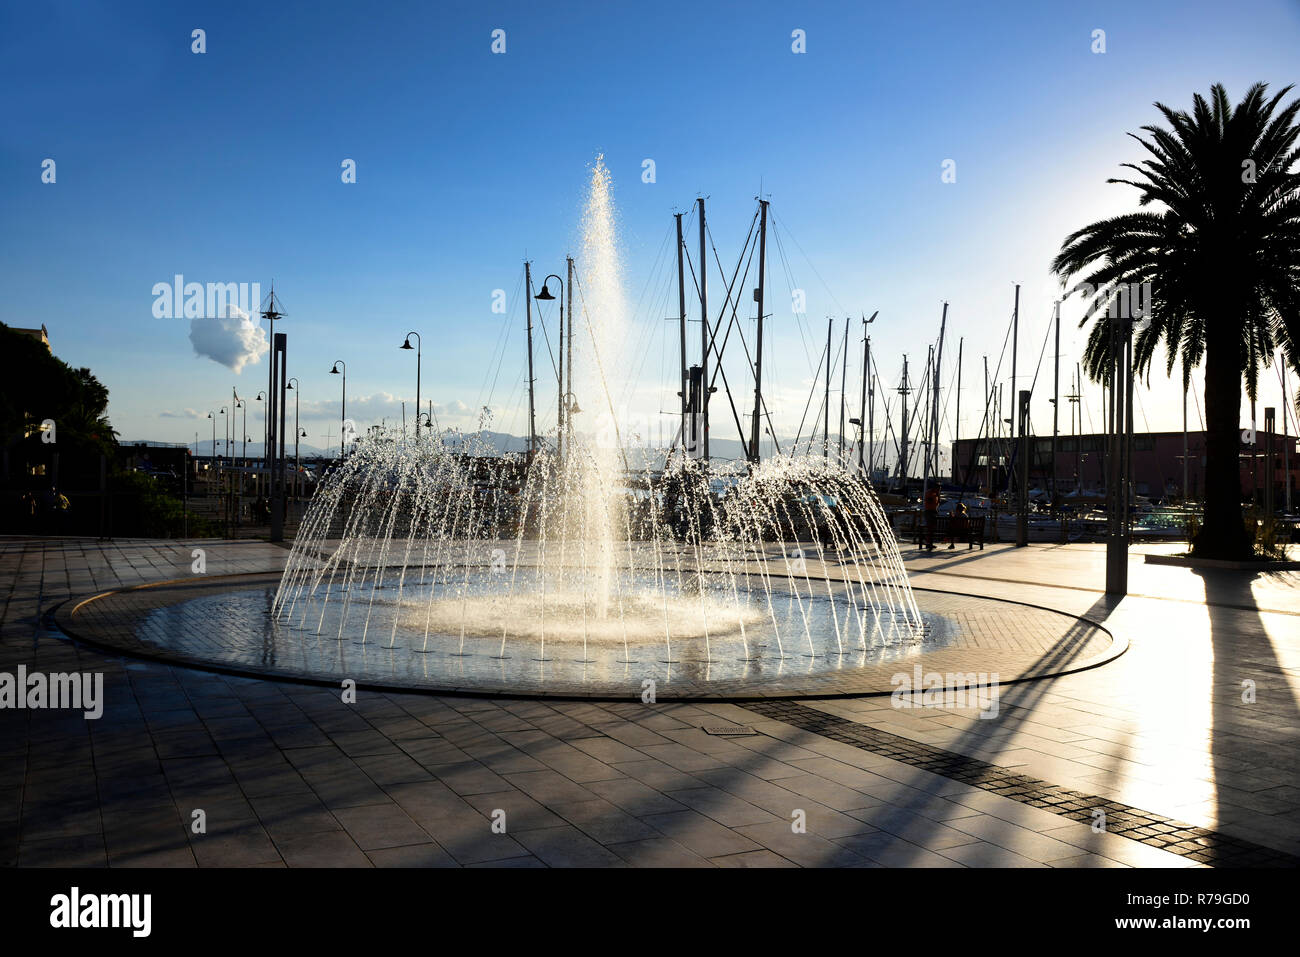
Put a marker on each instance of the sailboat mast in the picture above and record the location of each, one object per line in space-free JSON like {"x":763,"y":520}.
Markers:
{"x":758,"y":353}
{"x":934,"y":398}
{"x":681,"y":317}
{"x":844,"y":374}
{"x":903,"y":390}
{"x":862,"y":409}
{"x":826,"y":407}
{"x":704,"y":337}
{"x":988,"y":436}
{"x":956,"y":430}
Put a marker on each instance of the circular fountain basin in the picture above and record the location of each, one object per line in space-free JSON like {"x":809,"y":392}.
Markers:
{"x":793,"y":638}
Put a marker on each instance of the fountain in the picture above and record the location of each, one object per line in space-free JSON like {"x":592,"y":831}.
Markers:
{"x":588,"y":568}
{"x":433,"y":545}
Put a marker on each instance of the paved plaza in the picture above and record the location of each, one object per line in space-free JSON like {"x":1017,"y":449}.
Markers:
{"x":1180,"y":752}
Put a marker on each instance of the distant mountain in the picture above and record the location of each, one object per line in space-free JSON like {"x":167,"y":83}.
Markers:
{"x":719,"y":448}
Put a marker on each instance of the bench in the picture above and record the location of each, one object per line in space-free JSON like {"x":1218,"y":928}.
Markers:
{"x":966,"y":528}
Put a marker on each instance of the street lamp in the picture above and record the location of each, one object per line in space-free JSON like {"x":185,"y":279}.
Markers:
{"x":265,"y":434}
{"x":343,"y":413}
{"x":545,"y":296}
{"x":243,"y":463}
{"x":419,"y":344}
{"x":292,"y":384}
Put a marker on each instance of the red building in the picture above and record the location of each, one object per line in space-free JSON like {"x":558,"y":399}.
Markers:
{"x":1157,"y":464}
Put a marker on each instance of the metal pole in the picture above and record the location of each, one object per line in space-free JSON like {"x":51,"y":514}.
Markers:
{"x":934,"y":398}
{"x":532,"y":415}
{"x":559,"y":385}
{"x":681,"y":320}
{"x":862,"y":409}
{"x":826,"y":410}
{"x":1078,"y":444}
{"x":276,"y":429}
{"x":988,"y":434}
{"x":1015,"y":338}
{"x":1270,"y":424}
{"x":1022,"y":493}
{"x":1117,"y":486}
{"x":1056,"y":400}
{"x":568,"y":390}
{"x":961,"y":342}
{"x":1254,"y":459}
{"x":902,"y":432}
{"x":704,"y":336}
{"x":1286,"y":438}
{"x":1185,"y":445}
{"x":844,"y":375}
{"x":871,"y":412}
{"x":758,"y":356}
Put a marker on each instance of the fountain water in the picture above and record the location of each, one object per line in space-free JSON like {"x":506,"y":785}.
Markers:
{"x":439,"y":546}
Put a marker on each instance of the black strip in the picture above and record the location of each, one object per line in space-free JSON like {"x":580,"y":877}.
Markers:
{"x":1177,"y":837}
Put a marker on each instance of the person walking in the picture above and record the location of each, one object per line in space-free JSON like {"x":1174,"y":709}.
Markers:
{"x":931,"y":515}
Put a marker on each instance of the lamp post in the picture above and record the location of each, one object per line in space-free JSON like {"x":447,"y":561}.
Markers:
{"x":212,"y":457}
{"x":243,"y":455}
{"x":293,"y":384}
{"x":257,"y":480}
{"x":545,"y":296}
{"x":343,"y":413}
{"x":225,"y":423}
{"x":225,"y":435}
{"x":297,"y":463}
{"x":419,"y":344}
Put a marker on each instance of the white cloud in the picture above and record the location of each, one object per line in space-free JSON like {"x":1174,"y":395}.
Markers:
{"x":233,"y":341}
{"x":186,"y":413}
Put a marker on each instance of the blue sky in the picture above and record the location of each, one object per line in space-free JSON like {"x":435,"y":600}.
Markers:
{"x":225,"y":167}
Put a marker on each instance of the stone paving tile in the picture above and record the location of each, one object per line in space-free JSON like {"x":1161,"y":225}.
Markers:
{"x":804,"y":849}
{"x":727,"y":809}
{"x":552,"y":788}
{"x":277,"y":765}
{"x":888,"y":850}
{"x":326,"y":849}
{"x":84,"y":851}
{"x":240,"y":845}
{"x":658,"y":775}
{"x":411,"y":855}
{"x":378,"y":826}
{"x":756,"y":859}
{"x":705,"y":837}
{"x":634,"y":797}
{"x":604,"y":822}
{"x":982,"y":854}
{"x":566,"y":846}
{"x":522,"y":813}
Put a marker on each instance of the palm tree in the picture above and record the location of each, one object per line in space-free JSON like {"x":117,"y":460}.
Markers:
{"x":1220,"y":248}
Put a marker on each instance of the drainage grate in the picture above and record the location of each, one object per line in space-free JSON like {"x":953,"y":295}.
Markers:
{"x":728,"y":729}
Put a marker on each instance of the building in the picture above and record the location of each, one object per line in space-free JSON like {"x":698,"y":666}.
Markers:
{"x":1157,"y":464}
{"x":42,"y":335}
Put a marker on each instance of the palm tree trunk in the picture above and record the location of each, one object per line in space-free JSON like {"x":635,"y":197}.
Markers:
{"x":1223,"y":534}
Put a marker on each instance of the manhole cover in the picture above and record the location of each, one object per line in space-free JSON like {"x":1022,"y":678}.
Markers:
{"x":728,"y":729}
